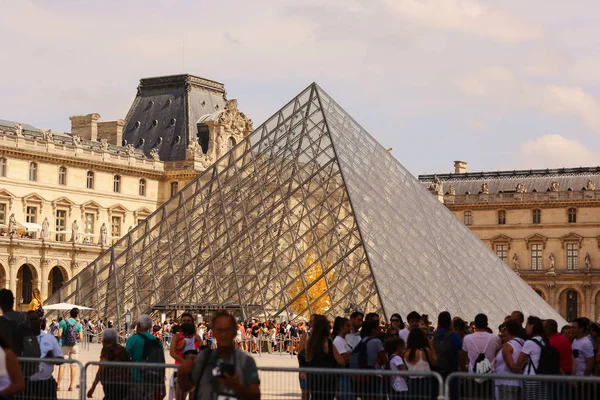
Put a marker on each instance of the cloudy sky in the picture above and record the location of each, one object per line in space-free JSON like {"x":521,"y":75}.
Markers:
{"x":500,"y":84}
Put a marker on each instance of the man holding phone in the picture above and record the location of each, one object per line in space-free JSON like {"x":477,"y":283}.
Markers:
{"x":223,"y":373}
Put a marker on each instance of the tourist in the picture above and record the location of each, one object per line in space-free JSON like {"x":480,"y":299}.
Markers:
{"x":341,"y":328}
{"x":583,"y":351}
{"x":561,"y":344}
{"x":506,"y":362}
{"x":420,"y":357}
{"x":302,"y":357}
{"x":41,"y":384}
{"x":447,"y":345}
{"x":460,"y":327}
{"x":321,"y":353}
{"x":70,"y":332}
{"x":10,"y":319}
{"x":394,"y":347}
{"x":145,"y":347}
{"x":356,"y":321}
{"x":520,"y":319}
{"x":414,"y":321}
{"x":529,"y":360}
{"x":36,"y":302}
{"x":483,"y":343}
{"x":370,"y":355}
{"x":53,"y":329}
{"x":396,"y":322}
{"x":12,"y":381}
{"x":223,"y":372}
{"x":115,"y":380}
{"x":175,"y":349}
{"x":567,"y":331}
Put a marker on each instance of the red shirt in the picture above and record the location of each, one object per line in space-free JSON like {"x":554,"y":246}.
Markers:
{"x":562,"y":344}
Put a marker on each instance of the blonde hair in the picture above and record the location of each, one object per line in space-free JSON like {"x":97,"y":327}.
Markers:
{"x":36,"y":295}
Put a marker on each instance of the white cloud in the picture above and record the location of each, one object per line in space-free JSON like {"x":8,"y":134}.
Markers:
{"x":555,"y":151}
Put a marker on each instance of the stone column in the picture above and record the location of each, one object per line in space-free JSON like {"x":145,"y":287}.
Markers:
{"x":12,"y":275}
{"x":45,"y":272}
{"x":587,"y":302}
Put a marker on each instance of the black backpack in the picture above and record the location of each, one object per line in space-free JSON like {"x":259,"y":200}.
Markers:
{"x":549,"y":363}
{"x":358,"y":358}
{"x":446,"y":355}
{"x":30,"y":348}
{"x":153,"y":354}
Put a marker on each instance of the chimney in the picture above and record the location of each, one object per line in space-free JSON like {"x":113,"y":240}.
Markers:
{"x":460,"y":167}
{"x":85,"y":126}
{"x":112,"y":131}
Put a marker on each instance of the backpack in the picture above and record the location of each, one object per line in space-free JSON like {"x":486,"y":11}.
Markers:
{"x":30,"y":348}
{"x":358,"y":359}
{"x":482,"y":365}
{"x":446,"y":355}
{"x":549,"y":363}
{"x":71,"y":334}
{"x":153,"y":354}
{"x":8,"y":329}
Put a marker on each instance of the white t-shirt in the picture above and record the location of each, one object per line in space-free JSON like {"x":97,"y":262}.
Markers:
{"x":534,"y":351}
{"x":398,"y":383}
{"x":353,"y":339}
{"x":480,"y":342}
{"x":584,"y":350}
{"x":341,"y":345}
{"x":404,"y":335}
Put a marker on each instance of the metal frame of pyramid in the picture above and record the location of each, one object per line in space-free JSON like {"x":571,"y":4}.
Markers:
{"x":309,"y":214}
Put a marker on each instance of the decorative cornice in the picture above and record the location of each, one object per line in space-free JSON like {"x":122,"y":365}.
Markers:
{"x":571,"y":237}
{"x":536,"y":238}
{"x":501,"y":239}
{"x":179,"y":80}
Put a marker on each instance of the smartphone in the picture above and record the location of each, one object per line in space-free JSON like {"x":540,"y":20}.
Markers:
{"x":227,"y":368}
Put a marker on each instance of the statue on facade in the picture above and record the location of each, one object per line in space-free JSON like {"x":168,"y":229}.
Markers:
{"x":104,"y":144}
{"x":205,"y":161}
{"x":12,"y":224}
{"x":154,"y":154}
{"x":437,"y":187}
{"x":590,"y":185}
{"x":45,"y":229}
{"x":103,"y":234}
{"x":485,"y":189}
{"x":552,"y":260}
{"x":130,"y":150}
{"x":76,"y":140}
{"x":74,"y":231}
{"x":515,"y":261}
{"x":194,"y":147}
{"x":588,"y":261}
{"x":19,"y":130}
{"x":47,"y":135}
{"x":452,"y":190}
{"x":235,"y":121}
{"x":554,"y":187}
{"x":520,"y":188}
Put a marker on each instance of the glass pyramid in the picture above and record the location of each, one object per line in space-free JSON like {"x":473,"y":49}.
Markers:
{"x":309,"y":214}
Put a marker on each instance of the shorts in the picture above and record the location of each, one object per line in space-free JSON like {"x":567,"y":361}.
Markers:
{"x":70,"y":352}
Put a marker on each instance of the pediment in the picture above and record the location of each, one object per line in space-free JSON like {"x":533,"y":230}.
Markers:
{"x":142,"y":211}
{"x":571,"y":237}
{"x":536,"y":238}
{"x":118,"y":208}
{"x":63,"y":201}
{"x":501,"y":239}
{"x":91,"y":204}
{"x":6,"y":194}
{"x":33,"y":197}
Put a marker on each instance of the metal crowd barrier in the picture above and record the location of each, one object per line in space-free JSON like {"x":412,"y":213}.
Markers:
{"x":41,"y":377}
{"x":126,"y":380}
{"x":347,"y":384}
{"x":464,"y":386}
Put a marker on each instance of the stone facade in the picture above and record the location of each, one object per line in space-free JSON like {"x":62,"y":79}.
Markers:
{"x":65,"y":198}
{"x":544,"y":224}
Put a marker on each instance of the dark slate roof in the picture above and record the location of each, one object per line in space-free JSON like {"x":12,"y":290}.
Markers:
{"x":10,"y":126}
{"x":506,"y":181}
{"x":165,"y":112}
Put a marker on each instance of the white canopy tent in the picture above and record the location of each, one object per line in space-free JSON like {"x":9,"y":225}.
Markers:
{"x":64,"y":306}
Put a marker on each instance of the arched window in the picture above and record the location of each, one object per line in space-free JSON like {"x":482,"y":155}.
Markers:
{"x":62,"y":175}
{"x":32,"y":171}
{"x":90,"y":180}
{"x":572,"y":215}
{"x":2,"y":166}
{"x":572,"y":300}
{"x":142,"y":187}
{"x":468,"y":218}
{"x":537,"y":216}
{"x":117,"y":184}
{"x":230,"y":143}
{"x":174,"y":188}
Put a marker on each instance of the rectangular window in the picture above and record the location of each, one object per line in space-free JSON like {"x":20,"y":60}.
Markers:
{"x":62,"y":176}
{"x":89,"y":223}
{"x":2,"y":166}
{"x":90,"y":180}
{"x":537,"y":216}
{"x":536,"y":257}
{"x":115,"y":230}
{"x":2,"y":213}
{"x":61,"y":225}
{"x":31,"y":215}
{"x":174,"y":188}
{"x":501,"y":217}
{"x":140,"y":220}
{"x":572,"y":215}
{"x":468,"y":218}
{"x":572,"y":255}
{"x":502,"y":251}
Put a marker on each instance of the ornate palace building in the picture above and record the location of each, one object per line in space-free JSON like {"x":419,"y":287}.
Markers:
{"x":66,"y":197}
{"x":545,"y":224}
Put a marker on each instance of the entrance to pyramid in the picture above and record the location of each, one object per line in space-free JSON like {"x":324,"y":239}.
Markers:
{"x":308,"y":214}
